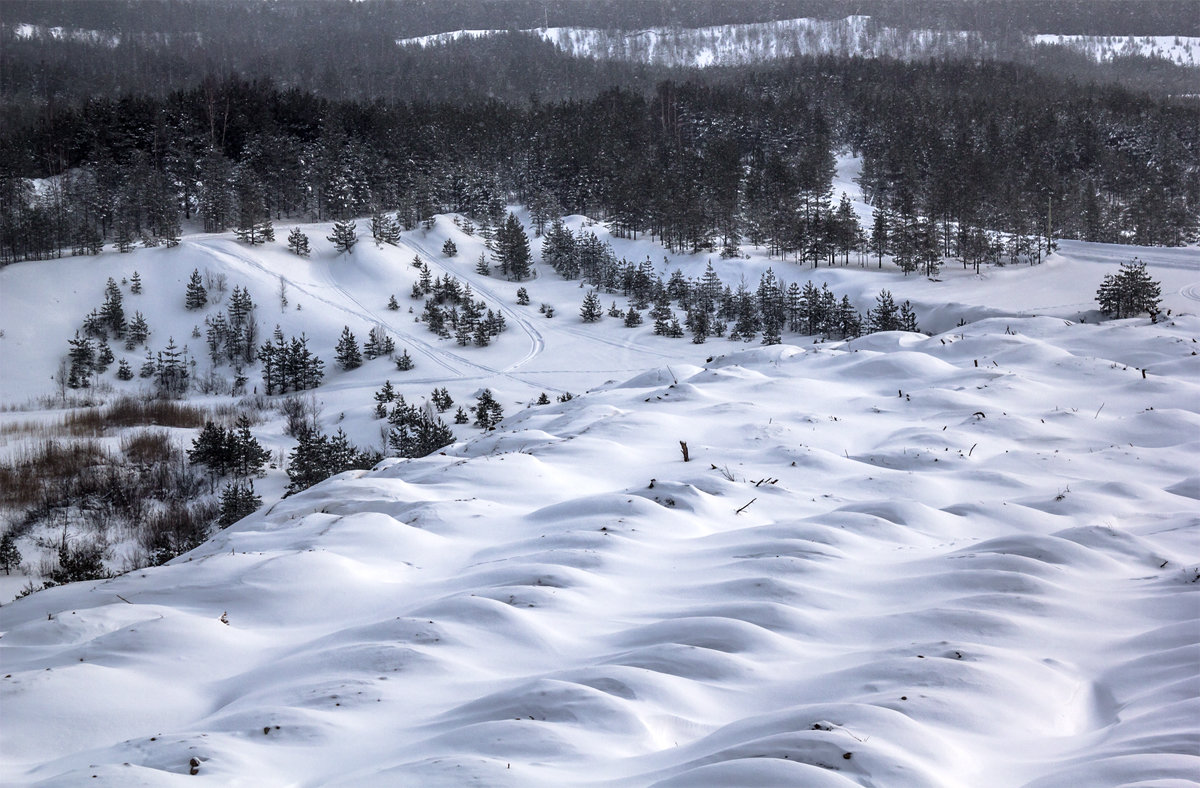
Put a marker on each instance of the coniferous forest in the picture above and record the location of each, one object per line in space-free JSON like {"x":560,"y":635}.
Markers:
{"x":983,"y":160}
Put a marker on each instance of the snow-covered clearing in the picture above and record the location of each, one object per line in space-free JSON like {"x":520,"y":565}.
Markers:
{"x":963,"y":559}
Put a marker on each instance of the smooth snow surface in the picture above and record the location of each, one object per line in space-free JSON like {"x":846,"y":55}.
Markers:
{"x":941,"y":574}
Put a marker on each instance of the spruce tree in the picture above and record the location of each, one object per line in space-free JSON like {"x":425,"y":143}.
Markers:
{"x":196,"y":296}
{"x":135,"y":283}
{"x":124,"y":371}
{"x":392,"y":304}
{"x":449,"y":249}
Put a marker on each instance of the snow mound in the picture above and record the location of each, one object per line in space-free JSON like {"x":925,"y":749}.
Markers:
{"x":964,"y":559}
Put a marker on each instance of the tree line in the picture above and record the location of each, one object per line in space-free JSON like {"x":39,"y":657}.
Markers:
{"x":956,"y":157}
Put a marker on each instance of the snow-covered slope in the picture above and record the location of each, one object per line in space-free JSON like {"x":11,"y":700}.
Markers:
{"x":1183,"y":50}
{"x":728,"y":45}
{"x":968,"y":559}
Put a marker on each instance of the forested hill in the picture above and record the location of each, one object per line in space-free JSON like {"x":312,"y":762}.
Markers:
{"x":953,"y":154}
{"x":55,"y":53}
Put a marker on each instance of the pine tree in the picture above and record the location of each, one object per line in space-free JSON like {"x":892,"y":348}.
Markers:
{"x":124,"y":371}
{"x":559,"y":251}
{"x":10,"y":556}
{"x":386,"y":394}
{"x":522,"y":296}
{"x":481,"y":266}
{"x":348,"y":354}
{"x":449,"y":249}
{"x":633,"y":318}
{"x":392,"y":304}
{"x":196,"y":296}
{"x":246,"y":455}
{"x":461,"y":417}
{"x":542,"y":399}
{"x":385,"y":229}
{"x":135,"y":283}
{"x":211,"y":448}
{"x":441,"y":400}
{"x":1129,"y":292}
{"x":171,"y":377}
{"x":82,"y":358}
{"x":885,"y":316}
{"x":298,"y":243}
{"x":487,"y":410}
{"x":378,"y":344}
{"x":237,"y":501}
{"x":148,"y":368}
{"x":104,"y":357}
{"x":344,"y":236}
{"x":592,"y":310}
{"x":512,"y":249}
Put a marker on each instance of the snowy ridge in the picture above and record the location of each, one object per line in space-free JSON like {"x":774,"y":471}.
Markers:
{"x":41,"y":32}
{"x":955,"y":560}
{"x":730,"y":45}
{"x":1182,"y":50}
{"x":727,"y":45}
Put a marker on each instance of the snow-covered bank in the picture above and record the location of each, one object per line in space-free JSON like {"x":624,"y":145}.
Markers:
{"x":958,"y":560}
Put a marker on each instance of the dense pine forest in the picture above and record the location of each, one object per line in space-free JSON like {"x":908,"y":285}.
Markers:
{"x":987,"y":161}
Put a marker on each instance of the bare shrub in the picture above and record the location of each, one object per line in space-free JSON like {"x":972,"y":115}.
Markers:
{"x":302,"y":414}
{"x":176,"y":529}
{"x":148,"y":447}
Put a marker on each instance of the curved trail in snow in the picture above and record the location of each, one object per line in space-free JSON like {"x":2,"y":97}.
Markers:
{"x":433,"y":353}
{"x":537,"y":343}
{"x":459,"y":367}
{"x":1191,"y":292}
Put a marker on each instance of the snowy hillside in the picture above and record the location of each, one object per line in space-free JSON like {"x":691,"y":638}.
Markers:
{"x":730,"y":45}
{"x":958,"y":560}
{"x":1183,"y":50}
{"x":968,"y":558}
{"x":727,"y":45}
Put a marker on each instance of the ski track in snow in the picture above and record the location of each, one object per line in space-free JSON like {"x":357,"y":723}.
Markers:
{"x":430,"y":351}
{"x":537,"y":343}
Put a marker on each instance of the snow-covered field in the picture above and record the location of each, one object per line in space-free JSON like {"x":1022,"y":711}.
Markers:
{"x":969,"y":558}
